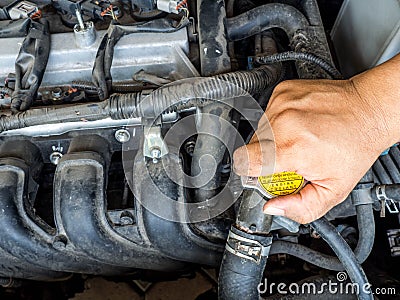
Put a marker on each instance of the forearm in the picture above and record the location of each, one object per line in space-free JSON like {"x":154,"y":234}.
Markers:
{"x":380,"y":87}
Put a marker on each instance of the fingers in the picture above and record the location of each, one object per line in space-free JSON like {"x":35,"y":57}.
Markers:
{"x":260,"y":158}
{"x":311,"y":203}
{"x":255,"y":159}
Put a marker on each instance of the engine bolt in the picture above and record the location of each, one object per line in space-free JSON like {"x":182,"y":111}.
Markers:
{"x":189,"y":147}
{"x":56,"y":155}
{"x":60,"y":242}
{"x":122,"y":135}
{"x":155,"y":154}
{"x":80,"y":19}
{"x":126,"y":218}
{"x":56,"y":93}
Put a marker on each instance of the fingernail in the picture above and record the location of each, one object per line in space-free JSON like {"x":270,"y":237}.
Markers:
{"x":274,"y":211}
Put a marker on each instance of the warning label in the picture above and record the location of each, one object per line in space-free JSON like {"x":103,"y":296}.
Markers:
{"x":281,"y":184}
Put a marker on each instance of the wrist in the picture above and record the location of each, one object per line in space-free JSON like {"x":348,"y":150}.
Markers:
{"x":380,"y":106}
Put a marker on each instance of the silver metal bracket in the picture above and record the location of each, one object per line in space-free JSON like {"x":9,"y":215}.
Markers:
{"x":154,"y":146}
{"x":253,"y":183}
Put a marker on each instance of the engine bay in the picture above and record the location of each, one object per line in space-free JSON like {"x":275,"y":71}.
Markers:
{"x":118,"y":124}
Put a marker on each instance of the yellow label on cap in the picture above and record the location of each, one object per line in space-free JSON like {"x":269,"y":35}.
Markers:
{"x":281,"y":184}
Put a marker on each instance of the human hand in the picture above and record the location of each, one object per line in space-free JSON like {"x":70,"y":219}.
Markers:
{"x":328,"y":132}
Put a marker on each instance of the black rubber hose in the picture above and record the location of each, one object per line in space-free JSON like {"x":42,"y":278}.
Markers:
{"x":366,"y":231}
{"x":343,"y":251}
{"x":309,"y":255}
{"x":259,"y":19}
{"x":300,"y":56}
{"x":211,"y":16}
{"x":366,"y":228}
{"x":302,"y":36}
{"x":240,"y":277}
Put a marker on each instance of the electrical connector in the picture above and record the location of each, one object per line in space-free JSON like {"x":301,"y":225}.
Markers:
{"x":22,"y":10}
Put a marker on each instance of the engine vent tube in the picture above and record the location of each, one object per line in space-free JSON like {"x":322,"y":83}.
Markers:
{"x":266,"y":17}
{"x":366,"y":225}
{"x":343,"y":251}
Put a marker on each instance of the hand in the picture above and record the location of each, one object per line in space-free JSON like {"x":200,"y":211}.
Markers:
{"x":326,"y":131}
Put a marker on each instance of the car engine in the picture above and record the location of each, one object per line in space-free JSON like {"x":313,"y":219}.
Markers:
{"x":118,"y":124}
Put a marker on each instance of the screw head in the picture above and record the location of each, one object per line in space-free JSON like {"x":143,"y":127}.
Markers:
{"x":155,"y":154}
{"x":60,"y":242}
{"x":189,"y":147}
{"x":126,"y":218}
{"x":122,"y":135}
{"x":55,"y":157}
{"x":56,"y":93}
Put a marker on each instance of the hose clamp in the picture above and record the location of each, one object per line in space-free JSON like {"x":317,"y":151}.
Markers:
{"x":246,"y":248}
{"x":390,"y":204}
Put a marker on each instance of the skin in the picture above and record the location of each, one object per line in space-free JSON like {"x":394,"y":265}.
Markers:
{"x":330,"y":132}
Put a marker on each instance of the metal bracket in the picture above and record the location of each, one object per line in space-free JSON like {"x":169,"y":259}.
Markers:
{"x":252,"y":183}
{"x":154,"y":145}
{"x":193,"y":35}
{"x":246,"y":248}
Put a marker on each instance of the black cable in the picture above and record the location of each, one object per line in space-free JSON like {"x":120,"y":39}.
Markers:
{"x":300,"y":56}
{"x":309,"y":255}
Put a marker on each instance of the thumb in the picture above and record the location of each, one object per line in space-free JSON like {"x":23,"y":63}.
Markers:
{"x":255,"y":159}
{"x":311,"y":203}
